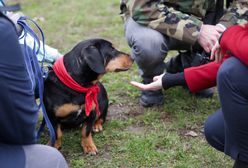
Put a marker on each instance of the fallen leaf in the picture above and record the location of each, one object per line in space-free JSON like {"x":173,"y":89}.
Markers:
{"x":191,"y":133}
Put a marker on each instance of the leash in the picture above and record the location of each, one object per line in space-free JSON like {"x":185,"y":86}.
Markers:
{"x":36,"y":72}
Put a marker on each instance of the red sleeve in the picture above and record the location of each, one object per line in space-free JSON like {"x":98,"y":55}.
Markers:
{"x":235,"y":40}
{"x":201,"y":77}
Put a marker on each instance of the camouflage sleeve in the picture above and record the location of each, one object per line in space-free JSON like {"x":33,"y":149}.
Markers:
{"x":166,"y":20}
{"x":237,"y":13}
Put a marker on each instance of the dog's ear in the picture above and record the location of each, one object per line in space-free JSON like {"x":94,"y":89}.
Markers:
{"x":94,"y":59}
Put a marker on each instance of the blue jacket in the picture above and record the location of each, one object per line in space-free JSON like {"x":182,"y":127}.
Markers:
{"x":18,"y":109}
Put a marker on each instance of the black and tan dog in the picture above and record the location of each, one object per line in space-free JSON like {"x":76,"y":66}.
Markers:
{"x":85,"y":64}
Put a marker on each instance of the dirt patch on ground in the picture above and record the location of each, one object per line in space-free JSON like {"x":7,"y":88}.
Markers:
{"x":120,"y":111}
{"x":184,"y":132}
{"x":167,"y":118}
{"x":137,"y":128}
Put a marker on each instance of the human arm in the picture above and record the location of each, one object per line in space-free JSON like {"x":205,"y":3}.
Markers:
{"x":166,"y":20}
{"x":235,"y":14}
{"x":165,"y":81}
{"x":235,"y":40}
{"x":195,"y":78}
{"x":174,"y":23}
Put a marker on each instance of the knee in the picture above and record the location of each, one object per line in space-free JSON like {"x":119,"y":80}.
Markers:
{"x":146,"y":43}
{"x":150,"y":47}
{"x":54,"y":157}
{"x":208,"y":131}
{"x":211,"y":136}
{"x":228,"y":71}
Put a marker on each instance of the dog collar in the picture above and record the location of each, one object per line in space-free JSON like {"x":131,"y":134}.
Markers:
{"x":91,"y":92}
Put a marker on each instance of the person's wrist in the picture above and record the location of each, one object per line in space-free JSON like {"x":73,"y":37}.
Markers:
{"x":221,"y":26}
{"x":199,"y":35}
{"x":14,"y":17}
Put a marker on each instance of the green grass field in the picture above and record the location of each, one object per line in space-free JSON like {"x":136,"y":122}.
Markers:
{"x":133,"y":136}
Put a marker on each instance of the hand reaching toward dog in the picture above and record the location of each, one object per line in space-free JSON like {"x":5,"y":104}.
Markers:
{"x":155,"y":85}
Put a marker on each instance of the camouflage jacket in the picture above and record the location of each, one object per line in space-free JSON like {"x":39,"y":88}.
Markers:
{"x":180,"y":19}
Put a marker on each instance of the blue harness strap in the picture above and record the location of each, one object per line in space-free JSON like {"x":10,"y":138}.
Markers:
{"x":36,"y":72}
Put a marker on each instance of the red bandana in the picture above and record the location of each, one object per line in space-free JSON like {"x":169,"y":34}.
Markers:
{"x":91,"y":92}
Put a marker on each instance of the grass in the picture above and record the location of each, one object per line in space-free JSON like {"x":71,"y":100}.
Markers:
{"x":133,"y":136}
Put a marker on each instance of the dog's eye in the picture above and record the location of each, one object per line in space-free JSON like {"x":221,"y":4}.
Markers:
{"x":112,"y":50}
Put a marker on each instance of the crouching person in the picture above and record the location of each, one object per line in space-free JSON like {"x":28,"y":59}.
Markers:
{"x":227,"y":129}
{"x":18,"y":109}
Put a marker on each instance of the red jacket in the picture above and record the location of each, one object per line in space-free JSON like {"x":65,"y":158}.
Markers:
{"x":235,"y":40}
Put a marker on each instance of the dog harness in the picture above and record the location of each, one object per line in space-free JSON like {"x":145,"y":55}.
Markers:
{"x":91,"y":92}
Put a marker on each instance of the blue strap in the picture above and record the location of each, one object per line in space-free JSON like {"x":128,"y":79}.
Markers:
{"x":36,"y":72}
{"x":2,"y":3}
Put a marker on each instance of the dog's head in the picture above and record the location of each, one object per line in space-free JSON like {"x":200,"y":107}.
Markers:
{"x":95,"y":57}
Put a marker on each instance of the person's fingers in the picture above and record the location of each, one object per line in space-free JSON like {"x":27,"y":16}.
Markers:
{"x":207,"y":49}
{"x":218,"y":56}
{"x":221,"y":55}
{"x":212,"y":54}
{"x":138,"y":85}
{"x":210,"y":46}
{"x":151,"y":86}
{"x":155,"y":78}
{"x":214,"y":50}
{"x":214,"y":40}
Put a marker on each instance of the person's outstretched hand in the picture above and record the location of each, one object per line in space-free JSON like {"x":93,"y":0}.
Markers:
{"x":216,"y":53}
{"x":155,"y":85}
{"x":209,"y":35}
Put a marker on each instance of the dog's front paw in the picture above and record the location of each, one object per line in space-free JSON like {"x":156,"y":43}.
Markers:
{"x":98,"y":126}
{"x":89,"y":148}
{"x":57,"y":144}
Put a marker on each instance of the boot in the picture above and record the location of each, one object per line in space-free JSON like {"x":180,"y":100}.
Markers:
{"x":151,"y":98}
{"x":206,"y":93}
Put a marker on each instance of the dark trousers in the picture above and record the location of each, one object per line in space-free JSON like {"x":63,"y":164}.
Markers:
{"x":227,"y":129}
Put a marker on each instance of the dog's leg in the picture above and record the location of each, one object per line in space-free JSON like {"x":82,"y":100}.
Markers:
{"x":57,"y":131}
{"x":98,"y":125}
{"x":87,"y":142}
{"x":58,"y":142}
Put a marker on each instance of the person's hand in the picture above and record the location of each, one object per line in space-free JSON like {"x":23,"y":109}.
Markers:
{"x":209,"y":35}
{"x":155,"y":85}
{"x":14,"y":17}
{"x":216,"y":53}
